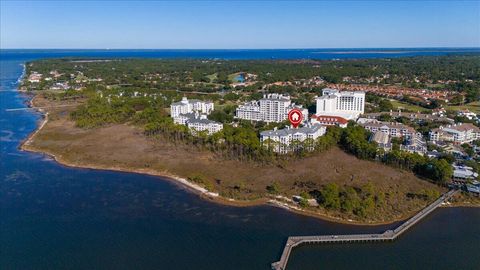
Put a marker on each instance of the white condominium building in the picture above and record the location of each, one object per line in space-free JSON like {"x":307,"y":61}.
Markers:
{"x":271,"y":108}
{"x":182,"y":119}
{"x":393,"y":129}
{"x":249,"y":111}
{"x":460,"y":133}
{"x":274,"y":107}
{"x":193,"y":113}
{"x":189,"y":106}
{"x":203,"y":124}
{"x":283,"y":140}
{"x":198,"y":122}
{"x":348,"y":105}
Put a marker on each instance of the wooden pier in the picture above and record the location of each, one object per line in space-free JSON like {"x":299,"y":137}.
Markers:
{"x":389,"y":235}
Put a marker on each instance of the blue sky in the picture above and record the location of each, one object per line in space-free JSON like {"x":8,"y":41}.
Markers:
{"x":239,"y":24}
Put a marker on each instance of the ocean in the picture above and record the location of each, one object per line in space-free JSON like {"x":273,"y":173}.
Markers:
{"x":56,"y":217}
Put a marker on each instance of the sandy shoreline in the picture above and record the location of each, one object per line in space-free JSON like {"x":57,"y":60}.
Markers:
{"x":192,"y":187}
{"x":277,"y":201}
{"x":211,"y":196}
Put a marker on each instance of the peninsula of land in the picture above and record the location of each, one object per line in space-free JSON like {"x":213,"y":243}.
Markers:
{"x":105,"y":121}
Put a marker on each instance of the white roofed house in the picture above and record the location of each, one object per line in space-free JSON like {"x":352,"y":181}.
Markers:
{"x":468,"y":114}
{"x":463,"y":173}
{"x":290,"y":139}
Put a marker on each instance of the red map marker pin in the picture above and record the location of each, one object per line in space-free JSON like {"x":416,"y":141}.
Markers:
{"x":295,"y":117}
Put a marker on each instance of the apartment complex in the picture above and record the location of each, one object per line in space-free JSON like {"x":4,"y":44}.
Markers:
{"x":249,"y":111}
{"x":392,"y":129}
{"x":271,"y":108}
{"x":345,"y":104}
{"x":383,"y":132}
{"x":190,"y":106}
{"x":199,"y":124}
{"x":283,"y":140}
{"x":193,"y":114}
{"x":459,"y":133}
{"x":182,"y":119}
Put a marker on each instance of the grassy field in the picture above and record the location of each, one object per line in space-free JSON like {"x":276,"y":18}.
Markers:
{"x":212,"y":77}
{"x":405,"y":106}
{"x":473,"y":107}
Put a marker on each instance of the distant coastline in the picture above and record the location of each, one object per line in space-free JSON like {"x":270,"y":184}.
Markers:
{"x":239,"y":53}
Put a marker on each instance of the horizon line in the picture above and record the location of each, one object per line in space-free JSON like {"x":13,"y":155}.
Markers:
{"x":293,"y":48}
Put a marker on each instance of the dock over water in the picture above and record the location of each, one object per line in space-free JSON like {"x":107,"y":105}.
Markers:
{"x":389,"y":235}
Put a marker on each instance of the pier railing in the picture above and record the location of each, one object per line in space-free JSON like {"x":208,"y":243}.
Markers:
{"x":389,"y":235}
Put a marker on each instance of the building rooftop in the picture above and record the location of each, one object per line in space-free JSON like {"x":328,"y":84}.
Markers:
{"x":291,"y":131}
{"x":380,"y":137}
{"x":331,"y":118}
{"x":389,"y":125}
{"x":202,"y":121}
{"x":191,"y":101}
{"x":463,"y":172}
{"x":188,"y":115}
{"x":465,"y":127}
{"x":276,"y":97}
{"x":458,"y":128}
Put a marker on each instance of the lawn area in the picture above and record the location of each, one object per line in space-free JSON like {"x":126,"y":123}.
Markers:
{"x":405,"y":106}
{"x":212,"y":77}
{"x":473,"y":107}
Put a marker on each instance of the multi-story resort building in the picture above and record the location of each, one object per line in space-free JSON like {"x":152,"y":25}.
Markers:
{"x":249,"y":111}
{"x":189,"y":106}
{"x":182,"y":119}
{"x":392,"y":129}
{"x":384,"y":131}
{"x":199,"y":124}
{"x":283,"y":140}
{"x":342,"y":104}
{"x":415,"y":145}
{"x":193,"y":114}
{"x":458,"y":134}
{"x":271,"y":108}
